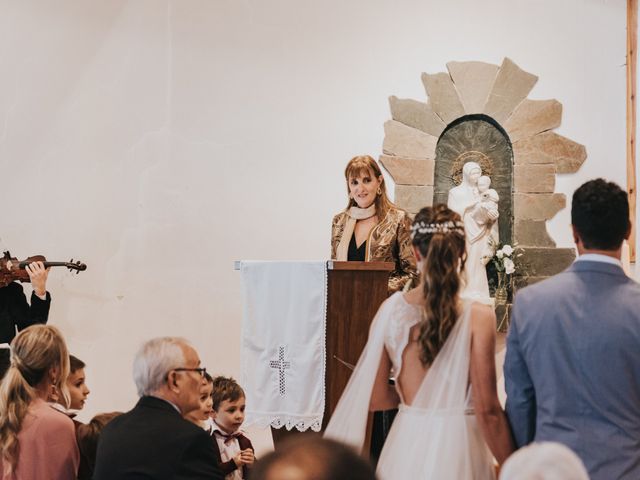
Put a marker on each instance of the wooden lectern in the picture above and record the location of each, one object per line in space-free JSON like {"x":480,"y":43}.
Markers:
{"x":355,"y":291}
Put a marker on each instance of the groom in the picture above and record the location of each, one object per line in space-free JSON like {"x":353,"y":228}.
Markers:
{"x":572,"y":367}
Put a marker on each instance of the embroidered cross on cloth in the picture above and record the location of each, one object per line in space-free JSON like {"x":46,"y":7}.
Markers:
{"x":283,"y":343}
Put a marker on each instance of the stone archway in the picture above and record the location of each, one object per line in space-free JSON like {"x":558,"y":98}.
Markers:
{"x":495,"y":95}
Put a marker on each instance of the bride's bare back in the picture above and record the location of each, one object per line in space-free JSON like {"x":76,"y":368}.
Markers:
{"x":413,"y":371}
{"x":410,"y":371}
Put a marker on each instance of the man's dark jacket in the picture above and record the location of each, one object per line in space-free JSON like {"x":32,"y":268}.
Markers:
{"x":153,"y":441}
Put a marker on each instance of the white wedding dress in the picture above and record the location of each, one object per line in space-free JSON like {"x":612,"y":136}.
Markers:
{"x":437,"y":436}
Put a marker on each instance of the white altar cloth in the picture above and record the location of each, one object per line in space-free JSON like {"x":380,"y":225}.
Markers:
{"x":283,"y":343}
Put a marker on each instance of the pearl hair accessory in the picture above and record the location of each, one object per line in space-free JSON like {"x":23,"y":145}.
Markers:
{"x":431,"y":228}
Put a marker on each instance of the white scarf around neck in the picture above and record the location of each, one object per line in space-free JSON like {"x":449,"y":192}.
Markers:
{"x":353,"y":215}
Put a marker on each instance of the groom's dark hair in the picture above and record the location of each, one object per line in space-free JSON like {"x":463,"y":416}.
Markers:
{"x":600,"y":214}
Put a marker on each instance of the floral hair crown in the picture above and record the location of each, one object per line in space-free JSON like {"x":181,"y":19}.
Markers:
{"x":431,"y":228}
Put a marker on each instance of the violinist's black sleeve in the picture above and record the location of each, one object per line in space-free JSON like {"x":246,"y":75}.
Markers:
{"x":15,"y":312}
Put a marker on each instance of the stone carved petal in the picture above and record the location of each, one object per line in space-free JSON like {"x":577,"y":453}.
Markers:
{"x":532,"y":117}
{"x":412,"y":198}
{"x":549,"y":147}
{"x":532,"y":233}
{"x":416,"y":114}
{"x":537,"y":206}
{"x":512,"y":85}
{"x":409,"y":171}
{"x":539,"y":178}
{"x":443,"y":96}
{"x":544,"y":262}
{"x":403,"y":141}
{"x":473,"y":80}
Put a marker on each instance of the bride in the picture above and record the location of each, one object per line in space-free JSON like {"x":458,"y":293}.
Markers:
{"x":440,"y":349}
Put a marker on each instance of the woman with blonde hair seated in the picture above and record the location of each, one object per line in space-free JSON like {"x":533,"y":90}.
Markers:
{"x":36,"y":440}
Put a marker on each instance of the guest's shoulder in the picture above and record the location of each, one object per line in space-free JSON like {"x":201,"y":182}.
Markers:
{"x":631,"y":291}
{"x":49,"y":422}
{"x":115,"y":423}
{"x":41,"y":409}
{"x":556,"y":284}
{"x":177,"y":424}
{"x":60,"y":419}
{"x":631,"y":283}
{"x":571,"y":279}
{"x":193,"y":435}
{"x":339,"y":217}
{"x":398,"y":215}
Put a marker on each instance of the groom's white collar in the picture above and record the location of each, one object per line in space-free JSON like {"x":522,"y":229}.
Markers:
{"x":596,"y":257}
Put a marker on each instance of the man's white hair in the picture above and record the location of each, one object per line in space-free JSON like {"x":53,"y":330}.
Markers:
{"x":544,"y":461}
{"x":155,"y":359}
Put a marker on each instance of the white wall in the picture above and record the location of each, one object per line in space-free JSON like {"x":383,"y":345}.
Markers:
{"x":159,"y":141}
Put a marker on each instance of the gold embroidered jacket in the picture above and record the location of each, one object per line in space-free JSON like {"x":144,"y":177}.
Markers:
{"x":389,"y":241}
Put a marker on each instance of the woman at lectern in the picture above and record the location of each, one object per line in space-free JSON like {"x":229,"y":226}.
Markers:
{"x":372,"y":228}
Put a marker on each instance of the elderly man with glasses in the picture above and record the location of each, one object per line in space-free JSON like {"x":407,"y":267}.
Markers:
{"x":153,"y":440}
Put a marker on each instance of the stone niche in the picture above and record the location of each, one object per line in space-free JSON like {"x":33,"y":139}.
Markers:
{"x":480,"y":112}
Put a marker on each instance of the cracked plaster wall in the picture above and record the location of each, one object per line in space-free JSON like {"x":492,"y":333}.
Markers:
{"x":159,"y":141}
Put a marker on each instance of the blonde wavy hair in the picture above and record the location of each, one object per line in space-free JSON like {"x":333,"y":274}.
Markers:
{"x":443,"y":254}
{"x":364,"y":164}
{"x":35,"y":351}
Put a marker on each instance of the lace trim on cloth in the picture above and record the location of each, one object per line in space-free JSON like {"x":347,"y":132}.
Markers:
{"x":290,"y":422}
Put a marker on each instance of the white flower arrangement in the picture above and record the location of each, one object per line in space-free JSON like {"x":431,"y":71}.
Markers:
{"x":504,"y":258}
{"x":509,"y":266}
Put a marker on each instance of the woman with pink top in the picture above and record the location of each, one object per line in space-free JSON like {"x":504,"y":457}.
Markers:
{"x":36,"y":440}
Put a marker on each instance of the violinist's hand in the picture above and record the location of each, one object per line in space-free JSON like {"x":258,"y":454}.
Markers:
{"x":38,"y":276}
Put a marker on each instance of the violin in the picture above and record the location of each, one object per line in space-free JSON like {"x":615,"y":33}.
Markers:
{"x":12,"y":269}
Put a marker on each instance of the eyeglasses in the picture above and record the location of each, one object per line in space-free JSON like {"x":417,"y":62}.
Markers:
{"x":202,"y":371}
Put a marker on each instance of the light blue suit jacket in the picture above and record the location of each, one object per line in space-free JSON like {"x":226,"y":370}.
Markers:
{"x":572,"y":367}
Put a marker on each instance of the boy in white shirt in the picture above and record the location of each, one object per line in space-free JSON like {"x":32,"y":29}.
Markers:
{"x":234,"y":450}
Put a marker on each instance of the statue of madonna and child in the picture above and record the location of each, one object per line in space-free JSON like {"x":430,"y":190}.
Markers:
{"x":477,"y":204}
